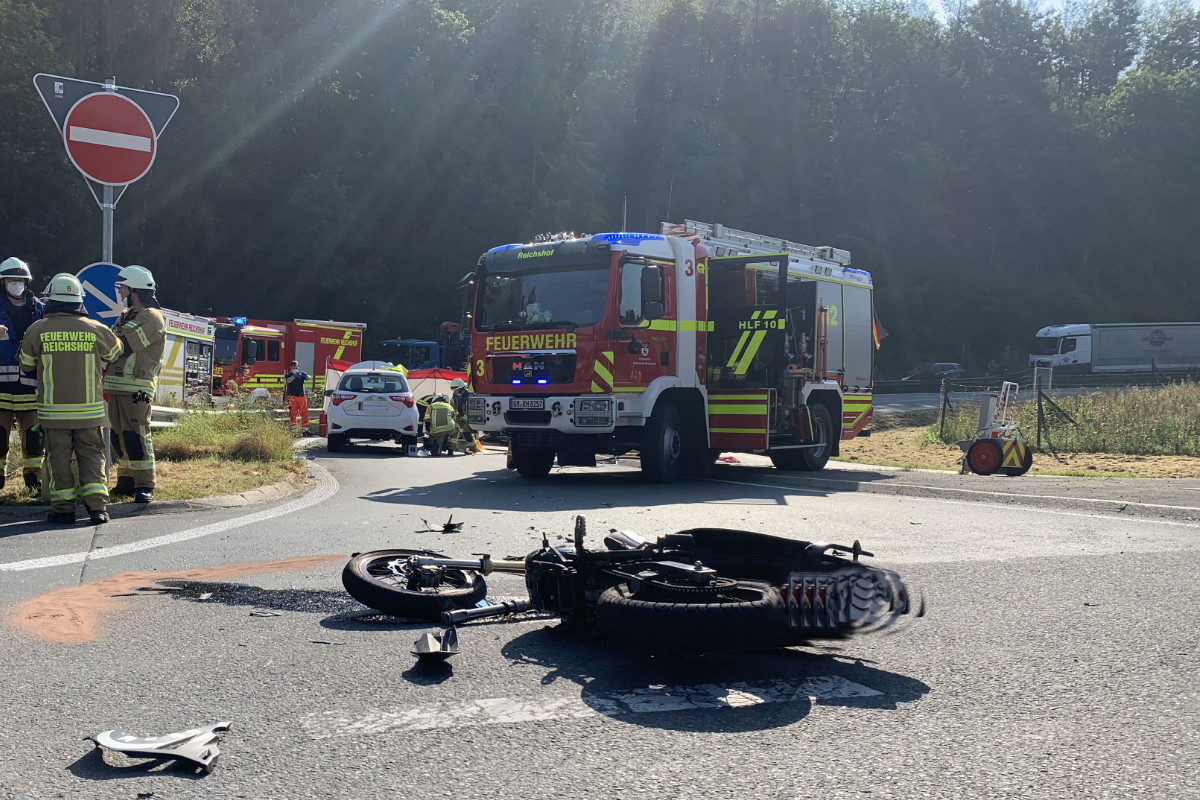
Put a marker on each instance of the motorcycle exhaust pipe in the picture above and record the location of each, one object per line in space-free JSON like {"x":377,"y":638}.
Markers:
{"x":462,"y":615}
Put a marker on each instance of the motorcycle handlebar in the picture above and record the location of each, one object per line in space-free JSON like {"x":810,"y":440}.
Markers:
{"x":461,"y":615}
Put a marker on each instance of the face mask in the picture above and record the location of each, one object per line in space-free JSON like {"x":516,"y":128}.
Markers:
{"x":16,"y":288}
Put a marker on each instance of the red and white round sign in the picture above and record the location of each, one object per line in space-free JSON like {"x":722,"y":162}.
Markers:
{"x":109,"y":138}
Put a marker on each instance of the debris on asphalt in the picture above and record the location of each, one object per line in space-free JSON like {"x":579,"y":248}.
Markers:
{"x":265,"y":613}
{"x":197,"y":745}
{"x":450,"y":526}
{"x":205,"y":596}
{"x":325,"y":641}
{"x":433,"y":649}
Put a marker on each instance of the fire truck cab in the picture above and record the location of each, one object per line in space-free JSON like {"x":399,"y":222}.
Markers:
{"x":679,"y":345}
{"x":254,"y":353}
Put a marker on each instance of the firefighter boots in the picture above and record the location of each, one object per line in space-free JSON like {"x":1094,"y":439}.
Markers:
{"x":124,"y":487}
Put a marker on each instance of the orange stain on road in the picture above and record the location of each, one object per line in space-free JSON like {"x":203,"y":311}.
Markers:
{"x":69,"y":616}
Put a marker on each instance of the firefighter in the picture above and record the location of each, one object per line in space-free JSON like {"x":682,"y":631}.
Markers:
{"x":439,"y":422}
{"x":130,"y":383}
{"x":18,"y":392}
{"x":458,"y":398}
{"x":68,"y":351}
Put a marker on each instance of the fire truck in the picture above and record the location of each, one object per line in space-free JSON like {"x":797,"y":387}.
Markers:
{"x":186,"y":373}
{"x":681,"y":345}
{"x":254,"y":353}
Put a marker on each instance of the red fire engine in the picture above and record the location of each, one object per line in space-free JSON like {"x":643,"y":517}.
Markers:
{"x":680,"y":346}
{"x":254,"y":353}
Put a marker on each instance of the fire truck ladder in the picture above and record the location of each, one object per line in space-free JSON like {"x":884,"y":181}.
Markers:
{"x":731,"y":242}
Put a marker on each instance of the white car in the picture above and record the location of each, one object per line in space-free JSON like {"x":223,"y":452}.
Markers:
{"x":373,"y":404}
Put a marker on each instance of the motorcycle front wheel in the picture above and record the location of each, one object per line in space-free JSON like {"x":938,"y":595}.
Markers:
{"x":380,"y":580}
{"x":747,"y":616}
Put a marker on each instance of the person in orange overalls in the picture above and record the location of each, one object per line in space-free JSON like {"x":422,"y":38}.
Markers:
{"x":293,"y":381}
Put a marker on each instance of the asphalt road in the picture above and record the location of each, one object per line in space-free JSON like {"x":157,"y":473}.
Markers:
{"x":1058,"y":657}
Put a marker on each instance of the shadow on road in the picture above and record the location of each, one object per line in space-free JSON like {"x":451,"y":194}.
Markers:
{"x":603,"y":672}
{"x":92,"y":766}
{"x":504,"y":490}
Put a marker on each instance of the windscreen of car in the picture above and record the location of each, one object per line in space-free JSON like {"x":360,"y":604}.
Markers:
{"x":525,"y":300}
{"x":373,"y":384}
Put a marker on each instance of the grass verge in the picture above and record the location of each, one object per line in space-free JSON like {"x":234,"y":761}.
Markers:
{"x":206,"y":454}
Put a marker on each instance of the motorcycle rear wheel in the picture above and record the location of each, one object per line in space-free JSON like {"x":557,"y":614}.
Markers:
{"x":370,"y":581}
{"x":751,"y":615}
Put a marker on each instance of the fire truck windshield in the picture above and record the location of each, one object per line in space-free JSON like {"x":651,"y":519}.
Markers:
{"x":226,"y":344}
{"x":570,"y":297}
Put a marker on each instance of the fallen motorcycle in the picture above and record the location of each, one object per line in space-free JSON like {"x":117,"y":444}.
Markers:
{"x":702,"y":589}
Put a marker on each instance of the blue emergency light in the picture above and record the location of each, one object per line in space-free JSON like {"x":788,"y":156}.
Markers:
{"x":239,"y":321}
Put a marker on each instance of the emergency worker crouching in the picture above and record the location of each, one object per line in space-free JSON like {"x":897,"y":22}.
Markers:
{"x":131,"y":380}
{"x":18,"y":391}
{"x":68,"y":352}
{"x":440,"y":424}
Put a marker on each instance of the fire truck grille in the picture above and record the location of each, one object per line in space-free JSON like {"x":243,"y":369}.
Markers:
{"x":536,"y":369}
{"x":846,"y":599}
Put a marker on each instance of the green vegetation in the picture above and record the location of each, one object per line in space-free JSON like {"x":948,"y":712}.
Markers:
{"x":1144,"y":422}
{"x":238,"y":434}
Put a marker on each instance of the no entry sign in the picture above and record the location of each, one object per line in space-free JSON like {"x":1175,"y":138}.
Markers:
{"x":109,"y":138}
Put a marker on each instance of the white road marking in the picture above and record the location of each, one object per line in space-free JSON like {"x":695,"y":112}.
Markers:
{"x":326,"y":487}
{"x":983,"y":504}
{"x":650,"y":700}
{"x":110,"y":139}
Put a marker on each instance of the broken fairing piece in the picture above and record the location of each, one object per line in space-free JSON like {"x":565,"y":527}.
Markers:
{"x":434,"y":649}
{"x":198,"y":745}
{"x":449,"y":526}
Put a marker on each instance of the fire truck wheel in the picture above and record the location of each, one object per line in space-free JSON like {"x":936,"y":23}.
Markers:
{"x":335,"y":442}
{"x":662,"y":445}
{"x":380,"y":580}
{"x":533,"y":462}
{"x":984,"y":456}
{"x":809,"y":459}
{"x":748,"y":616}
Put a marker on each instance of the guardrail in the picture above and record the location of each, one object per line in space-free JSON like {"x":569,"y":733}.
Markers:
{"x":1025,"y":378}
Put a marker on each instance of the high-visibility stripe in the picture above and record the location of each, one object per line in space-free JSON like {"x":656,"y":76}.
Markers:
{"x":347,"y":339}
{"x":659,"y":324}
{"x":1014,"y":453}
{"x":602,"y":369}
{"x":92,"y":488}
{"x":736,"y":430}
{"x":33,"y":462}
{"x":751,"y":352}
{"x":147,"y":463}
{"x":723,"y":397}
{"x":745,"y":337}
{"x":695,"y":325}
{"x":48,"y":379}
{"x":736,"y":409}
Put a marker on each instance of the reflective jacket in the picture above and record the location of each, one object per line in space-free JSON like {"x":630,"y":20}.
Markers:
{"x":440,"y":418}
{"x":144,"y":334}
{"x":17,"y":390}
{"x":69,"y":353}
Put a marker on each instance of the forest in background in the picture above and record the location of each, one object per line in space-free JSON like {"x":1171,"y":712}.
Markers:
{"x":996,"y":170}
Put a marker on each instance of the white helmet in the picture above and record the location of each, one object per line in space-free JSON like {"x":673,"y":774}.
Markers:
{"x":65,"y":288}
{"x":458,"y":383}
{"x":136,"y":277}
{"x":15,"y":268}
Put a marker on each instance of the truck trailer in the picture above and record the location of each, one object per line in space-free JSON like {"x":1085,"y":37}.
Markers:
{"x":679,"y":345}
{"x":1118,"y":347}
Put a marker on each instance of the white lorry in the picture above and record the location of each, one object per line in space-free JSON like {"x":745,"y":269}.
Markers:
{"x":1118,"y":347}
{"x":186,"y":374}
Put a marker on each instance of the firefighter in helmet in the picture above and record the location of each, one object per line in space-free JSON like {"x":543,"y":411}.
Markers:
{"x":440,"y":424}
{"x":68,"y":351}
{"x":131,"y":380}
{"x":18,"y":391}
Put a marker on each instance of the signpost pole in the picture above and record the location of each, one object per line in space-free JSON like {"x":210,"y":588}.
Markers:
{"x":106,"y":207}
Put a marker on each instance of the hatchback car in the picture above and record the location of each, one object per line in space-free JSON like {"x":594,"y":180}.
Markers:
{"x":374,"y":404}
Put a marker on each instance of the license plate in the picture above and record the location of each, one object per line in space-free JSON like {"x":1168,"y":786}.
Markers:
{"x":527,"y":403}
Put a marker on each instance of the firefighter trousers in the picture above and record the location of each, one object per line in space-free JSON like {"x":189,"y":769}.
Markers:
{"x":131,"y":447}
{"x":87,"y":445}
{"x":31,"y":439}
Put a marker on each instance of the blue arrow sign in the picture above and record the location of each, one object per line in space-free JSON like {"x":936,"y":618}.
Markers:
{"x":100,"y":292}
